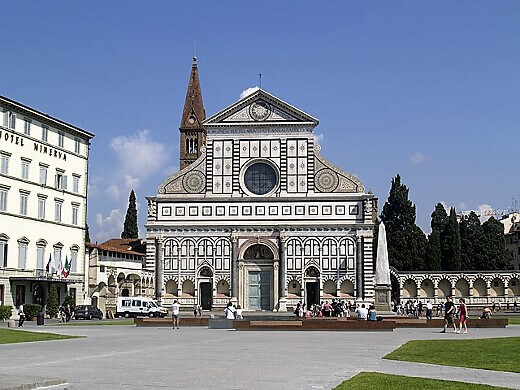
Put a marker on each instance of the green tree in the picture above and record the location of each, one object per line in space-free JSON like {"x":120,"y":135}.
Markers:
{"x":406,"y":241}
{"x":87,"y":233}
{"x":494,"y":254}
{"x":451,"y":247}
{"x":53,"y":304}
{"x":471,"y":235}
{"x":130,"y":229}
{"x":438,"y":224}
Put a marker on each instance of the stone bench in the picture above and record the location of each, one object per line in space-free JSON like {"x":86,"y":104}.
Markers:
{"x":160,"y":322}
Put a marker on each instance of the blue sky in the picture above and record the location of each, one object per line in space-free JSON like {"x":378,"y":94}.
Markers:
{"x":430,"y":90}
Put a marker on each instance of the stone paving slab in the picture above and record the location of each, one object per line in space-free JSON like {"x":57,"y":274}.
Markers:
{"x":126,"y":357}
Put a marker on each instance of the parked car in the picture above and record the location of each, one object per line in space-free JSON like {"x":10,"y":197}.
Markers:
{"x":139,"y":306}
{"x":87,"y":312}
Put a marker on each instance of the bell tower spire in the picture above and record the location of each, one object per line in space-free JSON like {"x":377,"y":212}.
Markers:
{"x":193,"y":134}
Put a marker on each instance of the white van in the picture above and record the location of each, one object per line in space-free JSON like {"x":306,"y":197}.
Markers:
{"x":139,"y":306}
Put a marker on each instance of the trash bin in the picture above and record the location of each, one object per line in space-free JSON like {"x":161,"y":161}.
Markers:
{"x":40,"y":319}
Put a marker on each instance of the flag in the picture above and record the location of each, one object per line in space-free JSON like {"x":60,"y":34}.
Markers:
{"x":59,"y":266}
{"x":48,"y":267}
{"x":66,"y":268}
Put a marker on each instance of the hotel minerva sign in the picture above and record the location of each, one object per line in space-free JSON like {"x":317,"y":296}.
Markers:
{"x":38,"y":147}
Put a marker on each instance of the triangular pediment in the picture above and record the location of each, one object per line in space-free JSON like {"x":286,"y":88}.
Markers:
{"x":261,"y":108}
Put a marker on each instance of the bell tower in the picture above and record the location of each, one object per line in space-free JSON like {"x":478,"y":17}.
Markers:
{"x":193,"y":134}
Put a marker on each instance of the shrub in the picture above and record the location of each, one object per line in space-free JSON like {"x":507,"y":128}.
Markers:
{"x":5,"y":312}
{"x":52,"y":302}
{"x":31,"y":309}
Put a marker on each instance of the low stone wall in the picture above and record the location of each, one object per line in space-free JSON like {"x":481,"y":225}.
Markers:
{"x":316,"y":324}
{"x":160,"y":322}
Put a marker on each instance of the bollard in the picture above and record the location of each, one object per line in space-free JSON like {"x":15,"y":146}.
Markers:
{"x":11,"y":324}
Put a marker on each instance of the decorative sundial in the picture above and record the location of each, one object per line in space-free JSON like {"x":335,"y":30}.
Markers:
{"x":259,"y":110}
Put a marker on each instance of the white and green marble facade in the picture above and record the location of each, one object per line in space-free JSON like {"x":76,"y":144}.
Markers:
{"x":207,"y":233}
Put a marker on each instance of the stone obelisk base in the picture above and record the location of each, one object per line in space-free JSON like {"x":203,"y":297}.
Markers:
{"x":383,"y":299}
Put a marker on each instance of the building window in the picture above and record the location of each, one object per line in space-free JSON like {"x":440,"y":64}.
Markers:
{"x":24,"y":196}
{"x":3,"y":198}
{"x":40,"y":255}
{"x":101,"y":268}
{"x":43,"y":175}
{"x":61,"y":138}
{"x":25,"y":169}
{"x":57,"y":210}
{"x":3,"y":250}
{"x":57,"y":254}
{"x":77,"y":143}
{"x":10,"y":119}
{"x":74,"y":259}
{"x":41,"y":207}
{"x":45,"y":133}
{"x":4,"y":163}
{"x":75,"y":214}
{"x":22,"y":253}
{"x":60,"y":181}
{"x":75,"y":184}
{"x":27,"y":127}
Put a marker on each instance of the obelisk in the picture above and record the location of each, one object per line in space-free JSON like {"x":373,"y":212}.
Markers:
{"x":383,"y":286}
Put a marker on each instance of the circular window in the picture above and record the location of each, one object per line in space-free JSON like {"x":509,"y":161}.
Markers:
{"x":260,"y":178}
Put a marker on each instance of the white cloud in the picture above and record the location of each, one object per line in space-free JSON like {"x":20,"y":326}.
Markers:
{"x":139,"y":155}
{"x":132,"y":183}
{"x":110,"y":226}
{"x":113,"y":191}
{"x":318,"y":138}
{"x":462,"y":206}
{"x":486,"y":211}
{"x":248,"y":91}
{"x":417,"y":158}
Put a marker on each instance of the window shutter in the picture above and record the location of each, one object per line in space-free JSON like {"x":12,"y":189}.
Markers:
{"x":64,"y":182}
{"x":6,"y":119}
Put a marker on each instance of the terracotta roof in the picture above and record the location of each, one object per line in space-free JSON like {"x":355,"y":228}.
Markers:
{"x":129,"y":246}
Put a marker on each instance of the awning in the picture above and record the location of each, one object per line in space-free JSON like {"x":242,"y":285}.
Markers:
{"x":44,"y":279}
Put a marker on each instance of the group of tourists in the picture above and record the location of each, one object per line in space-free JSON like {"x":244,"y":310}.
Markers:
{"x":335,"y":308}
{"x":417,"y":309}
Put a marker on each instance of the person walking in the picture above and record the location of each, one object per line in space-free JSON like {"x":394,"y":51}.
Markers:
{"x":463,"y":315}
{"x":239,"y":313}
{"x":21,"y":315}
{"x":449,"y":311}
{"x":176,"y":308}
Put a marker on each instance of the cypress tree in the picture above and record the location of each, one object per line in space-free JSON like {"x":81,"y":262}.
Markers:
{"x":438,"y":224}
{"x":451,"y":244}
{"x":406,"y":241}
{"x":471,"y":235}
{"x":87,"y":233}
{"x":130,"y":229}
{"x":495,"y":255}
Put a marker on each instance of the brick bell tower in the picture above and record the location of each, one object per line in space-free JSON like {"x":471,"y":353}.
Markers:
{"x":193,"y":134}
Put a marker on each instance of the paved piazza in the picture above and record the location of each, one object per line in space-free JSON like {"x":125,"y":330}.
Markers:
{"x":125,"y":357}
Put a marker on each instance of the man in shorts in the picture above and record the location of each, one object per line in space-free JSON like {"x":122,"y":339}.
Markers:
{"x":449,"y":312}
{"x":175,"y":314}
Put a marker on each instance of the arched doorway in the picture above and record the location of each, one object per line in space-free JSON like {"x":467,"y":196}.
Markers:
{"x":462,"y":288}
{"x":312,"y":286}
{"x":258,"y":278}
{"x":409,"y":289}
{"x":206,"y":288}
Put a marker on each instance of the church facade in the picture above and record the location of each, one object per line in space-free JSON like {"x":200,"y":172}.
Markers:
{"x":257,"y":215}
